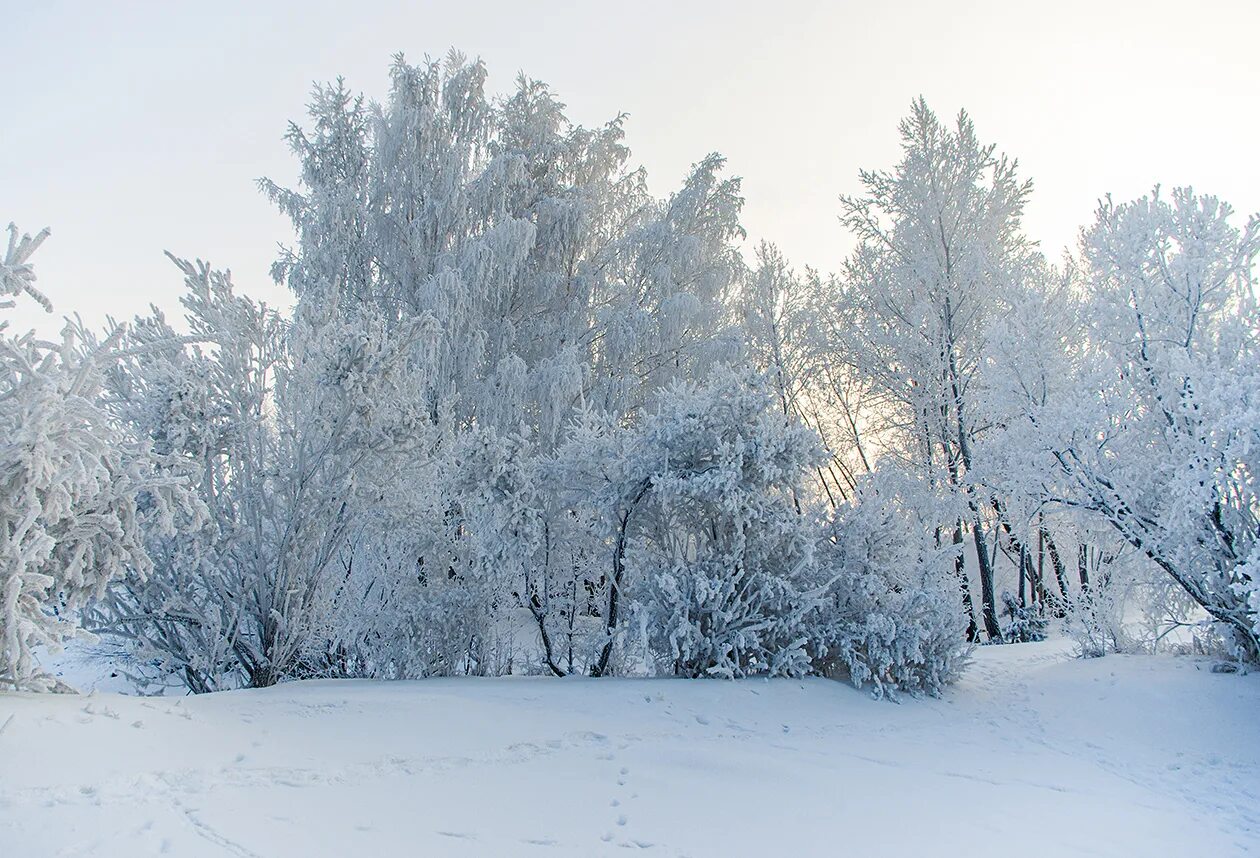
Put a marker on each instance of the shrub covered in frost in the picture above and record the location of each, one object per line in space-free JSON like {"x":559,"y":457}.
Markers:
{"x":708,"y":542}
{"x":892,"y":615}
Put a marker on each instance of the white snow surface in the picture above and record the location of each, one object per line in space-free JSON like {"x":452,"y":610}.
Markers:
{"x":1033,"y":753}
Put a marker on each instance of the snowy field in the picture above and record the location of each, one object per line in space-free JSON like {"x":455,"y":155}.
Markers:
{"x":1033,"y":753}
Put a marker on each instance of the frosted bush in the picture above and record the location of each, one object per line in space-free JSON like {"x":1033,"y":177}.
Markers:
{"x":893,"y":615}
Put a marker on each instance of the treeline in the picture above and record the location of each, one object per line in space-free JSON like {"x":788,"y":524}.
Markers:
{"x":527,"y":417}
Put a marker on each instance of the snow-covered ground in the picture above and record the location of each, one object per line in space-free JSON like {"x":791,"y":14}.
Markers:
{"x":1034,"y":753}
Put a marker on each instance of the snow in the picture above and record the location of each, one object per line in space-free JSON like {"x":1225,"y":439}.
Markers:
{"x":1033,"y":752}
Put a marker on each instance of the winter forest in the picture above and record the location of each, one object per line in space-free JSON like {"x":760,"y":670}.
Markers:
{"x":527,"y":418}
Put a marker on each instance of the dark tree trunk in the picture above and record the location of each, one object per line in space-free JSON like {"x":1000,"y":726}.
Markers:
{"x":541,"y":619}
{"x":614,"y":586}
{"x":991,"y":626}
{"x":1023,"y":600}
{"x":960,"y":569}
{"x":1056,"y":562}
{"x":1041,"y":561}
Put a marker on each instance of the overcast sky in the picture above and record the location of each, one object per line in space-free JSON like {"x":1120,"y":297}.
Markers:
{"x":132,"y":128}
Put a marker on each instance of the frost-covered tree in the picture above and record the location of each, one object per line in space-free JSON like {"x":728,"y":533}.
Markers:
{"x":500,"y":525}
{"x":711,"y":552}
{"x":662,"y":314}
{"x":546,"y":272}
{"x":291,"y":432}
{"x":940,"y":257}
{"x":77,"y":493}
{"x":204,"y":406}
{"x":795,"y":332}
{"x":1032,"y":352}
{"x":545,"y":280}
{"x":1162,"y":442}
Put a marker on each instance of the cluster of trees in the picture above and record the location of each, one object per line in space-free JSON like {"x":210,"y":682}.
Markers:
{"x":526,"y":416}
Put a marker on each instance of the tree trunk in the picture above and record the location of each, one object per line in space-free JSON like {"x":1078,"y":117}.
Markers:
{"x":960,"y":569}
{"x":541,"y":619}
{"x":1023,"y":601}
{"x":614,"y":586}
{"x":614,"y":597}
{"x":1056,"y":562}
{"x":989,"y":611}
{"x":1041,"y":559}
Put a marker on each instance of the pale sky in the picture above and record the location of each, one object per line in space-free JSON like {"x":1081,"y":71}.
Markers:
{"x":131,"y":128}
